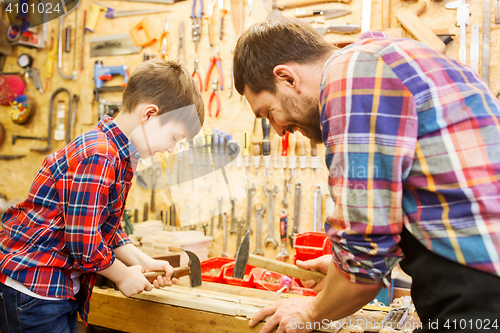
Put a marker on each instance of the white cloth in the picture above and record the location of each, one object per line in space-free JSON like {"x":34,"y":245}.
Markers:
{"x":22,"y":288}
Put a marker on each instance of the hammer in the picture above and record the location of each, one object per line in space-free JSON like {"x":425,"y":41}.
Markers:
{"x":193,"y":269}
{"x":244,"y":257}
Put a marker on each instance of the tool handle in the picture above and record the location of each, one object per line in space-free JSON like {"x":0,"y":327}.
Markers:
{"x":93,"y":17}
{"x":67,"y":39}
{"x":266,"y":143}
{"x":292,"y":141}
{"x":246,"y":144}
{"x":284,"y":268}
{"x":284,"y":144}
{"x":420,"y":8}
{"x":301,"y":145}
{"x":302,"y":3}
{"x":283,"y":225}
{"x":256,"y":149}
{"x":178,"y":272}
{"x":314,"y":150}
{"x":307,"y":13}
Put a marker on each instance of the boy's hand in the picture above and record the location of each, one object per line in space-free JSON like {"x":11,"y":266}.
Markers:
{"x":133,"y":282}
{"x":319,"y":264}
{"x":162,"y":265}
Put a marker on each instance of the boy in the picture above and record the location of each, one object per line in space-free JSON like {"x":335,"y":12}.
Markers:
{"x":68,"y":229}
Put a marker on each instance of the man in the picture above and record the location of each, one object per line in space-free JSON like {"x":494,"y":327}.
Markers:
{"x":413,"y":149}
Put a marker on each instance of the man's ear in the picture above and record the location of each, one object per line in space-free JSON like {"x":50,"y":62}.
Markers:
{"x":286,"y":77}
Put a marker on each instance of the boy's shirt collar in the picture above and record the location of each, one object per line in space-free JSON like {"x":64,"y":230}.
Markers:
{"x":123,"y":144}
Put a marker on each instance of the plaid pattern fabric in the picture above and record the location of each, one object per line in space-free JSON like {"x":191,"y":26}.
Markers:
{"x":71,"y":218}
{"x":412,"y":140}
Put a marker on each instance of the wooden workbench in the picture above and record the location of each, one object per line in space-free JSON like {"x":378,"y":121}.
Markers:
{"x":210,"y":308}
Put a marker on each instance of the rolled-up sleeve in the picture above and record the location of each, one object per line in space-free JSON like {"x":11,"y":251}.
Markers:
{"x":86,"y":212}
{"x":369,"y":126}
{"x":120,"y":239}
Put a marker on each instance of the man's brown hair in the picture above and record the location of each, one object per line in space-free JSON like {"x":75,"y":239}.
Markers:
{"x":168,"y":85}
{"x":265,"y":45}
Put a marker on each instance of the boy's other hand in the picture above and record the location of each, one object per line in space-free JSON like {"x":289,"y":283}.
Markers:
{"x":133,"y":282}
{"x":162,"y":281}
{"x":319,"y":264}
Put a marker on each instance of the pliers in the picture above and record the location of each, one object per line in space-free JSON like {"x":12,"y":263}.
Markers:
{"x":215,"y":59}
{"x":182,"y":44}
{"x":196,"y":31}
{"x":197,"y":73}
{"x":215,"y":93}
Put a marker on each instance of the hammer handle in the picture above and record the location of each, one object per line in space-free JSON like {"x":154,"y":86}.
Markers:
{"x":178,"y":272}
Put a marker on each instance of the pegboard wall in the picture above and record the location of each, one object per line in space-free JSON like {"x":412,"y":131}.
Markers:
{"x":235,"y":116}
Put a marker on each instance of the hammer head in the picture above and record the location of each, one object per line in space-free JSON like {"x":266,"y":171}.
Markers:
{"x":194,"y":269}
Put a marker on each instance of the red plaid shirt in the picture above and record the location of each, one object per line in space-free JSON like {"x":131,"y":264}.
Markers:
{"x":70,"y":221}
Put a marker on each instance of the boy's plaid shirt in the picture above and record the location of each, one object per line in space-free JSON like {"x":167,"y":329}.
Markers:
{"x":70,"y":221}
{"x":413,"y":139}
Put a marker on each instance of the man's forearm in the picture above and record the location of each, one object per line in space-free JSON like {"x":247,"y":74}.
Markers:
{"x":341,"y":297}
{"x":130,"y":255}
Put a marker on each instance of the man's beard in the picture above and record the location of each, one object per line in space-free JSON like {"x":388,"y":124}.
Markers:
{"x":308,"y":117}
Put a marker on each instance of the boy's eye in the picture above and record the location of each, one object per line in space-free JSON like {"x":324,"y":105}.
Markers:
{"x":175,"y":140}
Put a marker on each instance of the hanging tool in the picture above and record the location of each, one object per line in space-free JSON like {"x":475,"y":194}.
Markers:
{"x":224,"y":236}
{"x":83,"y":40}
{"x":296,"y":211}
{"x":59,"y":130}
{"x":73,"y":77}
{"x":222,"y":150}
{"x":215,"y":60}
{"x":219,"y":201}
{"x":67,"y":39}
{"x":284,"y":150}
{"x":212,"y":221}
{"x":256,"y":152}
{"x":266,"y":144}
{"x":339,"y":29}
{"x":231,"y":79}
{"x":246,"y":150}
{"x":51,"y":56}
{"x":142,"y":34}
{"x":259,"y":214}
{"x":283,"y":253}
{"x":301,"y":150}
{"x":485,"y":59}
{"x":327,"y":13}
{"x":11,"y":157}
{"x":26,"y":61}
{"x":462,"y":8}
{"x":250,"y":193}
{"x":112,"y":13}
{"x":315,"y":159}
{"x":180,"y":162}
{"x":196,"y":73}
{"x":292,"y":157}
{"x":286,"y":191}
{"x":155,"y":173}
{"x":210,"y":22}
{"x":276,"y":157}
{"x":91,"y":21}
{"x":222,"y":13}
{"x":411,"y":22}
{"x":164,"y":46}
{"x":317,"y":208}
{"x":270,"y":194}
{"x":113,"y":45}
{"x":244,"y":257}
{"x":215,"y":93}
{"x":233,"y":216}
{"x":182,"y":43}
{"x":103,"y":73}
{"x":215,"y":150}
{"x":196,"y":27}
{"x":16,"y":137}
{"x":299,"y":3}
{"x":191,"y":162}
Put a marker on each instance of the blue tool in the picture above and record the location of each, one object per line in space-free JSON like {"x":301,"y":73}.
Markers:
{"x":104,"y":73}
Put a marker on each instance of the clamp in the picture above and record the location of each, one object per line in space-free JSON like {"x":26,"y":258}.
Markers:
{"x":196,"y":28}
{"x":215,"y":93}
{"x":197,"y":73}
{"x":215,"y":59}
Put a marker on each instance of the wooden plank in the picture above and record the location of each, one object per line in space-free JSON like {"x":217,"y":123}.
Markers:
{"x":411,"y":22}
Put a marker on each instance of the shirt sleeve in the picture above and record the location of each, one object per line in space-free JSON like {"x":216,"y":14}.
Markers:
{"x":369,"y":125}
{"x":87,"y":211}
{"x":120,"y":239}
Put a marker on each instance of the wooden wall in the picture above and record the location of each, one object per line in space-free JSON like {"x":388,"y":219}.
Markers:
{"x":235,"y":117}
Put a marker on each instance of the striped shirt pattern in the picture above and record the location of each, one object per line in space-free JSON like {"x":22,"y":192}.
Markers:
{"x":70,"y":221}
{"x":413,"y":140}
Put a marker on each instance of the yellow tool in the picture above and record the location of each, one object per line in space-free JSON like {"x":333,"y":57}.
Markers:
{"x":95,"y":9}
{"x":51,"y":56}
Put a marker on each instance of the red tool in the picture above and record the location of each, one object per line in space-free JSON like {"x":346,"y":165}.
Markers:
{"x":197,"y":73}
{"x":284,"y":150}
{"x":215,"y":59}
{"x":215,"y":93}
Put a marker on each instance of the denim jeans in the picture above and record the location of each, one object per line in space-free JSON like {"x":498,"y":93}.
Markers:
{"x":22,"y":313}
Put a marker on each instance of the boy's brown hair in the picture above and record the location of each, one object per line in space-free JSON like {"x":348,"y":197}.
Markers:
{"x":266,"y":45}
{"x":168,"y":85}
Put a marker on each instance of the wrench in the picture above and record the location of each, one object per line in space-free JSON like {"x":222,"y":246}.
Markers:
{"x":283,"y":254}
{"x":250,"y":193}
{"x":296,"y":211}
{"x":239,"y":225}
{"x":270,"y":193}
{"x":233,"y":217}
{"x":285,"y":193}
{"x":212,"y":221}
{"x":219,"y":199}
{"x":224,"y":239}
{"x":259,"y":212}
{"x":317,"y":208}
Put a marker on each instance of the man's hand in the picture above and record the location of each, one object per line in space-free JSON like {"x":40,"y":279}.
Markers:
{"x":320,"y":264}
{"x":133,"y":282}
{"x":292,"y":316}
{"x":162,"y":265}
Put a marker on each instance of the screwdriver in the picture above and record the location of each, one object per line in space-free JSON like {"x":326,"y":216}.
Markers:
{"x":256,"y":152}
{"x":232,"y":147}
{"x":191,"y":162}
{"x":284,"y":150}
{"x":277,"y":145}
{"x":266,"y":144}
{"x":314,"y":155}
{"x":216,"y":151}
{"x":222,"y":149}
{"x":301,"y":150}
{"x":246,"y":150}
{"x":292,"y":158}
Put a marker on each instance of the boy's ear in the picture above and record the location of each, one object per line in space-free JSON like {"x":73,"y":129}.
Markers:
{"x":148,"y":112}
